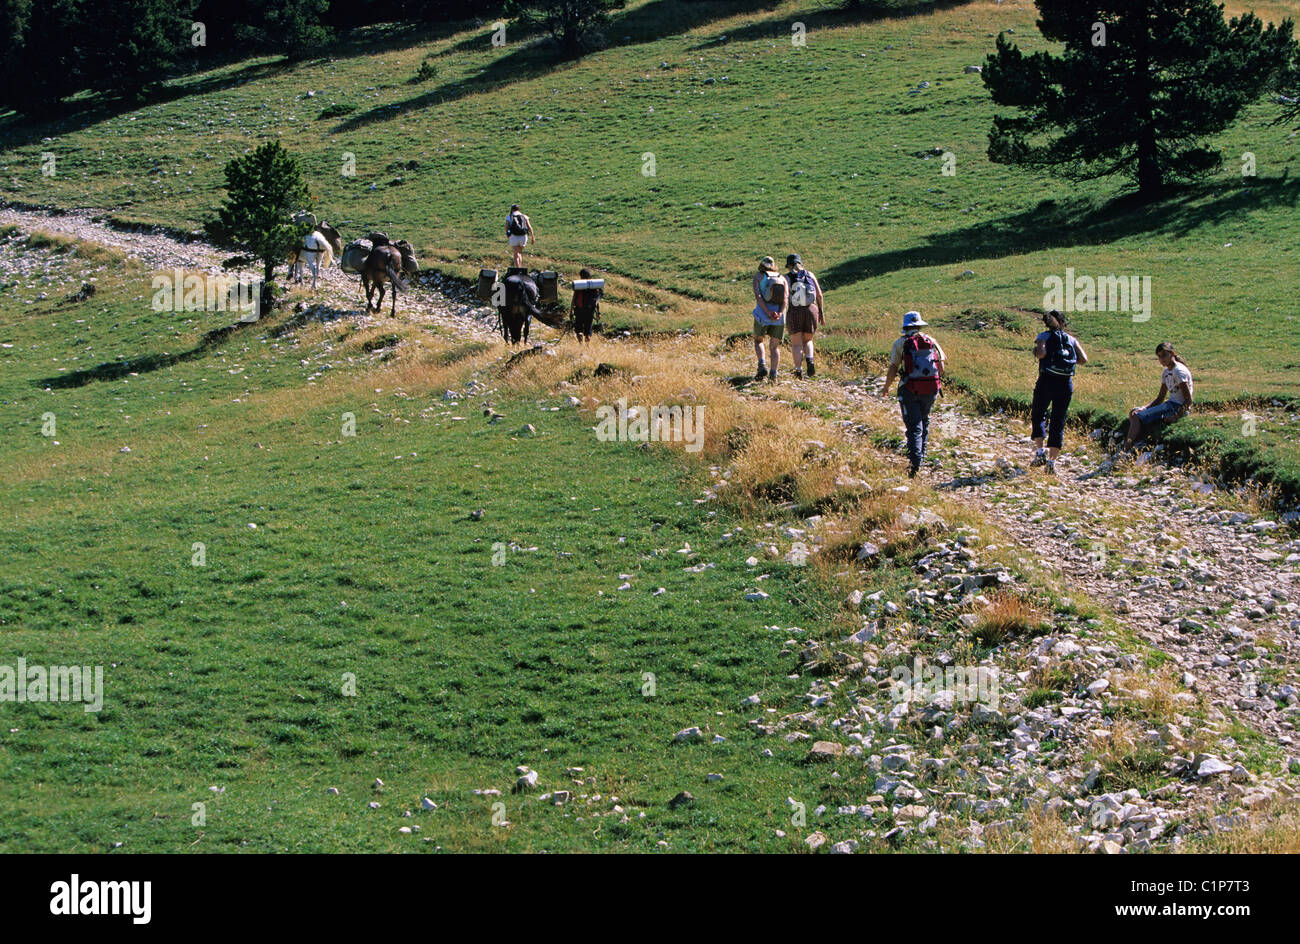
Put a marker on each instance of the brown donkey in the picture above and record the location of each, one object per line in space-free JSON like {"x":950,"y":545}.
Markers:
{"x":383,"y":267}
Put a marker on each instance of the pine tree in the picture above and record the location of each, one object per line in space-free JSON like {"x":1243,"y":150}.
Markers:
{"x":264,"y":190}
{"x":134,"y":43}
{"x":295,"y":28}
{"x":1138,"y":87}
{"x":573,"y":24}
{"x":40,"y":56}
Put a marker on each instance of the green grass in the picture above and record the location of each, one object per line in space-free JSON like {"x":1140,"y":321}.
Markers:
{"x":364,"y":561}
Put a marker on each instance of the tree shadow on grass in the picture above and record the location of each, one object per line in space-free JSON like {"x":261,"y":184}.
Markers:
{"x":19,"y":131}
{"x":529,"y":61}
{"x":210,"y":76}
{"x":535,"y":54}
{"x":869,"y":11}
{"x":147,"y":363}
{"x":644,"y":24}
{"x":1053,"y":225}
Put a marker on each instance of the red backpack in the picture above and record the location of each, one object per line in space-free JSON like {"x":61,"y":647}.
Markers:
{"x":921,"y":365}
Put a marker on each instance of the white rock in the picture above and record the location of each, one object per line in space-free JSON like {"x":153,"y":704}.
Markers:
{"x":1211,"y":766}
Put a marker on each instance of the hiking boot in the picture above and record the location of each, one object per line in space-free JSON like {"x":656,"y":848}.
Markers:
{"x":798,"y":373}
{"x":812,"y":371}
{"x":1039,"y":459}
{"x":913,"y":469}
{"x":771,"y":374}
{"x":762,"y":371}
{"x":1051,"y":467}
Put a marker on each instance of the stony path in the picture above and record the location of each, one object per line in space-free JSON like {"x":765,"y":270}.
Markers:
{"x":1216,"y":590}
{"x":435,"y":302}
{"x":1208,"y":585}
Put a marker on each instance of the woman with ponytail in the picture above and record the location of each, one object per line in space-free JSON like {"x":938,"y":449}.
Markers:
{"x":1058,"y":354}
{"x":1173,"y":401}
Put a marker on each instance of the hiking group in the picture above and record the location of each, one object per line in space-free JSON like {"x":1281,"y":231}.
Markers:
{"x":916,"y":360}
{"x":521,"y":297}
{"x":794,"y":301}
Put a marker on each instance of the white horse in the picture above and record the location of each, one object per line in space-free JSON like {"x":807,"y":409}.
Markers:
{"x":318,"y":249}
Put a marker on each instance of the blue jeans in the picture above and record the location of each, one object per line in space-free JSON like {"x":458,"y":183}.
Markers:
{"x":1162,"y":412}
{"x":1054,"y":391}
{"x":916,"y":417}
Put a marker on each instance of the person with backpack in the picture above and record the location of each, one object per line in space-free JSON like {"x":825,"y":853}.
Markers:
{"x":804,"y":314}
{"x":918,"y":362}
{"x":1058,"y":355}
{"x":1172,"y":403}
{"x":771,"y":297}
{"x":519,"y":229}
{"x":586,"y":306}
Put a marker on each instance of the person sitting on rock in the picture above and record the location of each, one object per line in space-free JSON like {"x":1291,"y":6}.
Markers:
{"x":1173,"y":401}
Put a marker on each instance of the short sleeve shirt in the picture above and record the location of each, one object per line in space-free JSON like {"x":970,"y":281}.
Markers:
{"x":1172,"y":377}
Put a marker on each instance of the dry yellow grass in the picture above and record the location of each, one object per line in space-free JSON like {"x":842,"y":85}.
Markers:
{"x":1118,"y":744}
{"x":1276,"y":831}
{"x":1153,"y":693}
{"x":1007,"y":615}
{"x":57,"y":243}
{"x":1039,"y":833}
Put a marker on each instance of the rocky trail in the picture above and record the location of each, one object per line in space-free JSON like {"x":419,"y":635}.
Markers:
{"x":1214,"y":589}
{"x":435,"y":301}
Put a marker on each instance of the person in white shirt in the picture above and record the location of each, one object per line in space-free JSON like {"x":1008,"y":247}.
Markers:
{"x":1172,"y":402}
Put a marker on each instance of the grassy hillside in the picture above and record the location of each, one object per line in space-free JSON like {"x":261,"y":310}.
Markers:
{"x":285,"y":612}
{"x":758,"y":147}
{"x":475,"y":645}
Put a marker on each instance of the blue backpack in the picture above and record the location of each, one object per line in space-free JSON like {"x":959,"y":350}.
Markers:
{"x":1061,"y":357}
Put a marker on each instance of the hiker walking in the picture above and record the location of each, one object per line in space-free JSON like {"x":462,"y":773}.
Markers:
{"x":1172,"y":403}
{"x":918,"y":362}
{"x":586,"y":304}
{"x":519,"y":229}
{"x":771,"y":297}
{"x":1058,"y":354}
{"x":804,"y":314}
